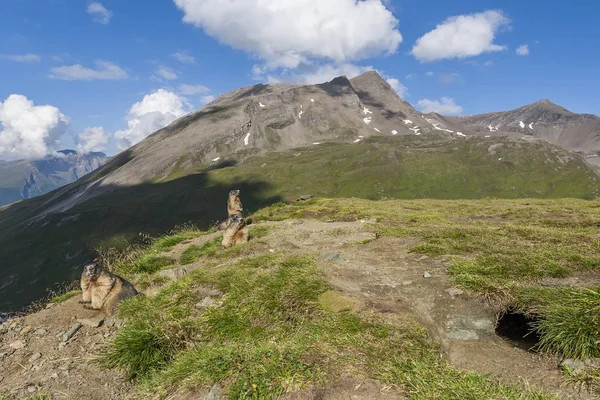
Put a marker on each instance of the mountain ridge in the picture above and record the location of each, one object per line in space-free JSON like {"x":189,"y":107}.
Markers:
{"x":23,"y":179}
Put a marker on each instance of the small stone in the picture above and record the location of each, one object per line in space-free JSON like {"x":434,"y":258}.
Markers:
{"x":25,"y":330}
{"x":206,"y":302}
{"x":54,"y":376}
{"x":271,"y":251}
{"x":49,"y":305}
{"x":64,"y":367}
{"x":31,"y":389}
{"x":215,"y":392}
{"x":426,"y":275}
{"x":93,"y":322}
{"x":40,"y":332}
{"x":423,"y":258}
{"x":573,"y":365}
{"x":59,"y":334}
{"x":454,"y":292}
{"x":406,"y":283}
{"x":34,"y":357}
{"x":174,"y":273}
{"x":61,"y":345}
{"x":333,"y":257}
{"x":109,"y":322}
{"x":484,"y":324}
{"x":71,"y":332}
{"x":19,"y":344}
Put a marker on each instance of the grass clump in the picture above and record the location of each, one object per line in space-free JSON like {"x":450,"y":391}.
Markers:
{"x":64,"y":297}
{"x":257,"y":232}
{"x":194,"y":253}
{"x":568,"y":319}
{"x":268,"y":335}
{"x":149,"y":263}
{"x":177,"y":236}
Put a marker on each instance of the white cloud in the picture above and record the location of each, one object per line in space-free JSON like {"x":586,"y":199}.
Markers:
{"x":165,"y":73}
{"x":24,"y":58}
{"x":410,"y":76}
{"x":190,"y":90}
{"x":523,"y":50}
{"x":184,"y":57}
{"x":429,"y":73}
{"x":461,"y":37}
{"x":104,"y":70}
{"x":289,"y":33}
{"x":398,"y":87}
{"x":99,"y":13}
{"x":153,"y":112}
{"x":207,"y":99}
{"x":29,"y":131}
{"x":445,"y":105}
{"x":92,"y":139}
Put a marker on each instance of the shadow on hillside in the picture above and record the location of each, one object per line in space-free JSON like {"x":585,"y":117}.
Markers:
{"x":52,"y":250}
{"x":367,"y":99}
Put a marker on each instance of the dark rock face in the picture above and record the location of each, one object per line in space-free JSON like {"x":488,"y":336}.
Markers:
{"x":25,"y":179}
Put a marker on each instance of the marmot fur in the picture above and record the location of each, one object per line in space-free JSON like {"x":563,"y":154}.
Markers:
{"x":103,"y":290}
{"x":236,"y":232}
{"x":234,"y":204}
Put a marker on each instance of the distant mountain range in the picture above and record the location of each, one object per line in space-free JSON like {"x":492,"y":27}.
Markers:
{"x":343,"y":138}
{"x":24,"y":179}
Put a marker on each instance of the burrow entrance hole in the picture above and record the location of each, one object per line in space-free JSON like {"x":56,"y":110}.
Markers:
{"x":517,"y":328}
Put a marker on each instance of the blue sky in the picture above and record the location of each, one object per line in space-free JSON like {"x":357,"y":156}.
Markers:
{"x":113,"y":71}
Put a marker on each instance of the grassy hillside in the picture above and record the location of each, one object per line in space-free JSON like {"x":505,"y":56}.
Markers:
{"x":274,"y":329}
{"x":42,"y":252}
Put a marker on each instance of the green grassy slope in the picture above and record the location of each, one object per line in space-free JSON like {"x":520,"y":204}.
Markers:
{"x":271,"y":333}
{"x":38,"y":254}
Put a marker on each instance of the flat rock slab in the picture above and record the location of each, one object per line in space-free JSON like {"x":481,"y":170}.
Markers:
{"x":71,"y":332}
{"x":333,"y":257}
{"x":93,"y":322}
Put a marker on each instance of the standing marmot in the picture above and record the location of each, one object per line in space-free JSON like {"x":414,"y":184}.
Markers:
{"x":236,"y":232}
{"x":103,"y":289}
{"x":234,"y":207}
{"x":234,"y":204}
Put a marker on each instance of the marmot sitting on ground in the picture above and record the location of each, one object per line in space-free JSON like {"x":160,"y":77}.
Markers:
{"x":103,"y":289}
{"x":236,"y":232}
{"x":234,"y":207}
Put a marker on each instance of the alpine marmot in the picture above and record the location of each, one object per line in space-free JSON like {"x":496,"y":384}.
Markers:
{"x":236,"y":232}
{"x":103,"y":290}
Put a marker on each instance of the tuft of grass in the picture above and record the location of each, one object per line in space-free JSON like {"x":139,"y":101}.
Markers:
{"x":177,"y":236}
{"x":64,"y":297}
{"x":194,"y":253}
{"x":148,"y":263}
{"x":261,"y":231}
{"x":568,"y":319}
{"x":268,"y":336}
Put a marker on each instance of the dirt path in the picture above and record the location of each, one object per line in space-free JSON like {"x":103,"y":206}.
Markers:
{"x":35,"y":359}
